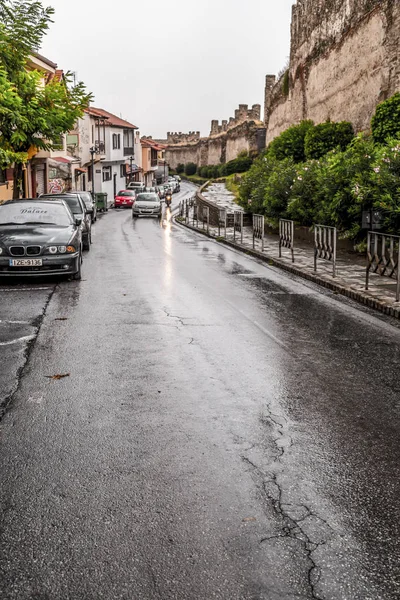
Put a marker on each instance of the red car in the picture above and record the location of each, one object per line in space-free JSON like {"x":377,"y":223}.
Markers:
{"x":125,"y":198}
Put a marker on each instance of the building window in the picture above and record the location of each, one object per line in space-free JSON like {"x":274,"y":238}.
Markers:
{"x":58,"y":143}
{"x":123,"y":171}
{"x":107,"y":173}
{"x":116,"y":140}
{"x":128,"y":141}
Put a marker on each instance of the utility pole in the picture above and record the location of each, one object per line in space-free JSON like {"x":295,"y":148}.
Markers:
{"x":92,"y":153}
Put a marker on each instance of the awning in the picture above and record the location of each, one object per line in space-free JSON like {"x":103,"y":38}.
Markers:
{"x":62,"y":159}
{"x":79,"y":171}
{"x":135,"y":168}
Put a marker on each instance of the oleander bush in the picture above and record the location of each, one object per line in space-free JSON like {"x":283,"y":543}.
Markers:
{"x":291,"y":143}
{"x":385,"y":123}
{"x":328,"y":136}
{"x":324,"y":174}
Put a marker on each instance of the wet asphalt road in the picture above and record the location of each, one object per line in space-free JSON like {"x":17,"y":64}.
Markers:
{"x":225,"y":430}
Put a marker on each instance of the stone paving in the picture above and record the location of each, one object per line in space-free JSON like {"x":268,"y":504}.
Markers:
{"x":217,"y":193}
{"x":350,"y":268}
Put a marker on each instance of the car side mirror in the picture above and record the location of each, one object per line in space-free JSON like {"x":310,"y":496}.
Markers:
{"x":78,"y":222}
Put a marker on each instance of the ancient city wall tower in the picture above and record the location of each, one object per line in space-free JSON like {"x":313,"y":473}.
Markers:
{"x":344,"y":59}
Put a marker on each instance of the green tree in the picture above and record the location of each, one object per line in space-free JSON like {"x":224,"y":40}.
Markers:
{"x":278,"y":188}
{"x":180,"y":168}
{"x":253,"y":184}
{"x":32,"y":115}
{"x":345,"y":185}
{"x":290,"y":143}
{"x":325,"y":137}
{"x":190,"y":169}
{"x":385,"y":123}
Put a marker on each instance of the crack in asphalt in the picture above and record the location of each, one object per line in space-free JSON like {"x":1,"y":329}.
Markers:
{"x":36,"y":324}
{"x":291,"y":527}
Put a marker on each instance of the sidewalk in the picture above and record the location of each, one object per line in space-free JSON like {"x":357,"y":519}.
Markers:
{"x":350,"y":270}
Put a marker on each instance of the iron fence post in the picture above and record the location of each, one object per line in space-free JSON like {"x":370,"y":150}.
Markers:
{"x":334,"y":250}
{"x":398,"y":274}
{"x":292,"y":239}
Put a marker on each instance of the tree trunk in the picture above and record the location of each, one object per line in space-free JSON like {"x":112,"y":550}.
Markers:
{"x":18,"y":181}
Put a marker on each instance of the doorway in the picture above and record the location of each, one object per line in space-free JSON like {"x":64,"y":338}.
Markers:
{"x":115,"y":184}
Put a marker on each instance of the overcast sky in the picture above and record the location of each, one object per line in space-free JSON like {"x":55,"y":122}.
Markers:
{"x":171,"y":66}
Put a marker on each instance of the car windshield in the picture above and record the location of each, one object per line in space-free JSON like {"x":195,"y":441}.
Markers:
{"x":86,"y":197}
{"x":73,"y":203}
{"x":24,"y":213}
{"x":147,"y":198}
{"x":125,"y":193}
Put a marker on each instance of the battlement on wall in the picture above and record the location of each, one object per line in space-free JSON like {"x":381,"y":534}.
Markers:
{"x":242,"y":114}
{"x":183,"y":138}
{"x":315,"y":22}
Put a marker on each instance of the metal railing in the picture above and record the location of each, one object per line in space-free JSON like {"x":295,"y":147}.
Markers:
{"x":383,"y":257}
{"x":206,"y":218}
{"x":286,"y":236}
{"x":325,"y":240}
{"x":195,"y":214}
{"x":258,"y":230}
{"x":100,"y":147}
{"x":238,"y":225}
{"x":187,"y":207}
{"x":222,"y":218}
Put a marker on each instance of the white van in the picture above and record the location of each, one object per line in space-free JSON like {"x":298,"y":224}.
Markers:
{"x":136,"y":185}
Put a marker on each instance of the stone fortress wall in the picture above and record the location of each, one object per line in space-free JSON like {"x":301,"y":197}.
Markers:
{"x":183,"y":138}
{"x":242,"y":114}
{"x":344,"y":60}
{"x":243,"y":132}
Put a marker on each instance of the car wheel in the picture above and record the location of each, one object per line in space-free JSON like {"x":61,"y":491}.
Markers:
{"x":78,"y":275}
{"x":86,"y":243}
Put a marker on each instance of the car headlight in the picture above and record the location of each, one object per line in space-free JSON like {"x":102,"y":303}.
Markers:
{"x":1,"y":250}
{"x":71,"y":249}
{"x":52,"y":249}
{"x":62,"y":249}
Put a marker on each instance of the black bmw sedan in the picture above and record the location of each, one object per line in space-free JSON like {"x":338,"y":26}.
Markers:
{"x":39,"y":237}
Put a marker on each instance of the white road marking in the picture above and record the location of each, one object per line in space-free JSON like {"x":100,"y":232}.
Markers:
{"x":15,"y":322}
{"x":26,"y":338}
{"x":24,"y":289}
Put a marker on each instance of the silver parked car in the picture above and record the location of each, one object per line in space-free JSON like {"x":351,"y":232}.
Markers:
{"x":146,"y":204}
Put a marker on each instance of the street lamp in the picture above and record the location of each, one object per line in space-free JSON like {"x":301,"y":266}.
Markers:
{"x":92,"y":153}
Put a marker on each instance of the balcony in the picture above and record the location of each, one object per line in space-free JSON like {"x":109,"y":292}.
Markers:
{"x":100,"y":147}
{"x":129,"y":150}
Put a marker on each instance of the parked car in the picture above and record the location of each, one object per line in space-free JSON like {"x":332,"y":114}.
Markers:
{"x":161,"y":191}
{"x":125,"y":198}
{"x":77,"y":207}
{"x":39,"y":237}
{"x":147,"y":204}
{"x":90,"y":204}
{"x":136,"y":185}
{"x":150,"y":190}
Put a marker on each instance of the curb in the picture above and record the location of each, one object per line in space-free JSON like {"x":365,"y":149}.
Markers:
{"x":360,"y":297}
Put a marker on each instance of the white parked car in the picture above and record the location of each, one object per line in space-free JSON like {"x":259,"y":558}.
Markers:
{"x":147,"y":204}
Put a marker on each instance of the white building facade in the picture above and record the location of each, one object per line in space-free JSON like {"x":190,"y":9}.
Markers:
{"x":109,"y":145}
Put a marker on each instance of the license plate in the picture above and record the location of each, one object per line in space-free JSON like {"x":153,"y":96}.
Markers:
{"x":26,"y":262}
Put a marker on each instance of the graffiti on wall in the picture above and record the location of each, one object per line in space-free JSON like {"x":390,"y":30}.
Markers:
{"x":57,"y":186}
